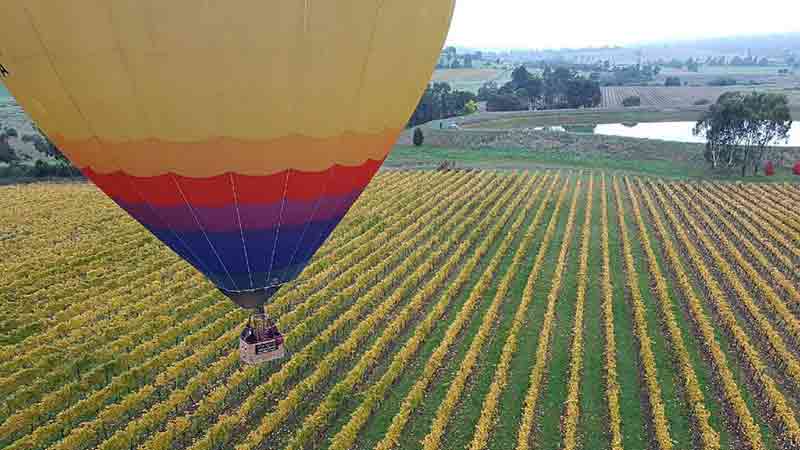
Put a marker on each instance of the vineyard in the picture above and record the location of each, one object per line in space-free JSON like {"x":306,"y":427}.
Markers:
{"x":450,"y":310}
{"x":659,"y":96}
{"x":681,"y":96}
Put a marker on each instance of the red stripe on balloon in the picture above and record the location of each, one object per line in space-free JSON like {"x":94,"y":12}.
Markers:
{"x":172,"y":190}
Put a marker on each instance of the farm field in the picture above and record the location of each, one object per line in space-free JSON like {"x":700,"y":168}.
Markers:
{"x":471,"y":79}
{"x":743,"y":74}
{"x":464,"y":309}
{"x":680,"y":96}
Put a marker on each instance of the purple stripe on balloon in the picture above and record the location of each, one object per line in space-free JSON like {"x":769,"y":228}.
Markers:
{"x":268,"y":262}
{"x":253,"y":217}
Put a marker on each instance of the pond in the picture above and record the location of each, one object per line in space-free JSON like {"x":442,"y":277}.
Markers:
{"x":673,"y":131}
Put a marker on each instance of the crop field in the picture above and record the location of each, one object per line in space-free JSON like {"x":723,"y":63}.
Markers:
{"x":471,"y":79}
{"x":658,"y":96}
{"x":681,"y":96}
{"x":449,"y":310}
{"x":743,"y":74}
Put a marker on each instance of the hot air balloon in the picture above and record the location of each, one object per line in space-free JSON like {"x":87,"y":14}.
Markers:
{"x":238,"y":132}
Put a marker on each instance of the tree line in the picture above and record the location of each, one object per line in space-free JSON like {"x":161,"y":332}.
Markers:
{"x":739,"y":128}
{"x":440,"y":101}
{"x":555,"y":89}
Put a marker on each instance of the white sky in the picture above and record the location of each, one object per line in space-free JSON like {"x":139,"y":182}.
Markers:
{"x":582,"y":23}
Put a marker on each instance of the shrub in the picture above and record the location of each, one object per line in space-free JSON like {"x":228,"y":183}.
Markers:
{"x":419,"y":138}
{"x":11,"y":132}
{"x":796,"y":169}
{"x":471,"y":107}
{"x":672,"y":81}
{"x":632,"y":101}
{"x":769,"y":169}
{"x":702,"y":101}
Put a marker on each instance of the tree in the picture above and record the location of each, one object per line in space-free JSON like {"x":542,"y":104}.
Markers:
{"x":769,"y":120}
{"x":525,"y":85}
{"x":488,"y":89}
{"x":740,"y":127}
{"x":506,"y":102}
{"x":440,"y":101}
{"x":419,"y":138}
{"x":672,"y":81}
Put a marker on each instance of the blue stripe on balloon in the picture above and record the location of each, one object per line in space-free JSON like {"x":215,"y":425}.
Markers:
{"x":225,"y":264}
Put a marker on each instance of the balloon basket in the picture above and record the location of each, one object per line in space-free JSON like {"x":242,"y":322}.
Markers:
{"x":261,"y":341}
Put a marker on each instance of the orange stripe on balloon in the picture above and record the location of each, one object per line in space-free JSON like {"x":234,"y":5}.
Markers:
{"x":216,"y":156}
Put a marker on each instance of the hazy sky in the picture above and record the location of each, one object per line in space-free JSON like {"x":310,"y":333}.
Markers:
{"x":582,"y":23}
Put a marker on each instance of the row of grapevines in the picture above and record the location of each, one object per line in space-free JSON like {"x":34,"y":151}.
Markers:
{"x":217,"y":400}
{"x":766,"y":265}
{"x":408,"y":229}
{"x":140,"y":369}
{"x":321,"y":270}
{"x":569,"y":419}
{"x":612,"y":385}
{"x":433,"y":439}
{"x":779,"y":413}
{"x":776,"y":204}
{"x":646,"y":356}
{"x":315,"y":422}
{"x":417,"y":393}
{"x":747,"y":428}
{"x":72,"y":228}
{"x":779,"y":351}
{"x":780,"y":311}
{"x":106,"y":360}
{"x":400,"y":360}
{"x":774,"y":242}
{"x":695,"y":400}
{"x":486,"y":421}
{"x":763,"y":210}
{"x":347,"y":436}
{"x":777,"y":251}
{"x":35,"y":207}
{"x":790,"y":191}
{"x":74,"y":310}
{"x":786,"y":205}
{"x":25,"y":281}
{"x":89,"y":321}
{"x":376,"y":267}
{"x":541,"y":361}
{"x":81,"y":338}
{"x":122,"y":416}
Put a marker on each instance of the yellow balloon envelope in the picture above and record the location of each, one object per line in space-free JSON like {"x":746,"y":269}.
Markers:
{"x":239,"y":132}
